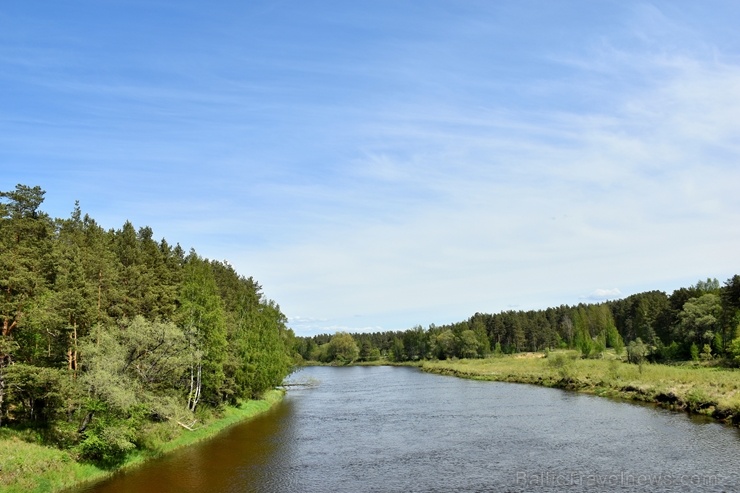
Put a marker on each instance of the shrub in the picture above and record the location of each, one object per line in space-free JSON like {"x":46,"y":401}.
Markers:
{"x":107,"y":446}
{"x":706,"y":353}
{"x":613,"y":370}
{"x":735,"y":351}
{"x":694,"y":352}
{"x":562,"y":363}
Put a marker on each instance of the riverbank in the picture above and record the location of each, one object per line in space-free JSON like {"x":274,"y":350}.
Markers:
{"x":378,"y":362}
{"x":711,"y":391}
{"x":28,"y":467}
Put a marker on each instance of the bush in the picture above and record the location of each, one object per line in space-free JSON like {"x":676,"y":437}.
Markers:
{"x":735,"y":351}
{"x":706,"y":353}
{"x":637,"y":351}
{"x":697,"y":399}
{"x":694,"y":351}
{"x":613,"y":370}
{"x":671,"y":352}
{"x":107,"y":446}
{"x":562,"y":363}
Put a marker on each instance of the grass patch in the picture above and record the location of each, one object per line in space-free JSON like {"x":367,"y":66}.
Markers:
{"x":713,"y":391}
{"x":27,"y":466}
{"x":30,"y":467}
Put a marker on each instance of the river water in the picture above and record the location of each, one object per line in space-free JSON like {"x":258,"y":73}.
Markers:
{"x":385,"y":429}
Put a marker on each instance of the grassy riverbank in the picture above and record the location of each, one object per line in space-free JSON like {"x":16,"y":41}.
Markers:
{"x":713,"y":391}
{"x":26,"y":466}
{"x":378,"y":362}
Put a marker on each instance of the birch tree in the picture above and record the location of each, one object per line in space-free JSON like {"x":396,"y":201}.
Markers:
{"x":201,"y":315}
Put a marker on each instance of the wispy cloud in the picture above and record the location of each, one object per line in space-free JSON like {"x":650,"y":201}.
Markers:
{"x":498,"y":218}
{"x":413,"y":165}
{"x":604,"y":294}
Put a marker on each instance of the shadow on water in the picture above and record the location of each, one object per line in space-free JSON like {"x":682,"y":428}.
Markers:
{"x":234,"y":461}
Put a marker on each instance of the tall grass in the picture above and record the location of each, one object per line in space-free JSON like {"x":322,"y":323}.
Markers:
{"x":713,"y":391}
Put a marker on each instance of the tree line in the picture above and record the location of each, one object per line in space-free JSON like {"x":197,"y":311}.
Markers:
{"x":697,"y":322}
{"x":107,"y":332}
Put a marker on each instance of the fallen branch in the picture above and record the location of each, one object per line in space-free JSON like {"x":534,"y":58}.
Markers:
{"x":187,"y":427}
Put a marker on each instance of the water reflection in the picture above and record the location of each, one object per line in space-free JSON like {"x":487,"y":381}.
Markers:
{"x":397,"y":429}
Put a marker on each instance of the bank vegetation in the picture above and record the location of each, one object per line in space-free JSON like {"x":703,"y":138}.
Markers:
{"x":701,"y":388}
{"x":113,"y":343}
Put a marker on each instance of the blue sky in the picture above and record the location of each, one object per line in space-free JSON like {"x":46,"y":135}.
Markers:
{"x":378,"y":165}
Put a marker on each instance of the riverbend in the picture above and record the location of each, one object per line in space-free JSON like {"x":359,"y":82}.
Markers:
{"x":386,"y":429}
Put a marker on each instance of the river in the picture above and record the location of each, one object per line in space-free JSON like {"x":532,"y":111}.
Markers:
{"x":386,"y":429}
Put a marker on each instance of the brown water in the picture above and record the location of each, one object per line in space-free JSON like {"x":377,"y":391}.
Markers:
{"x":383,"y":429}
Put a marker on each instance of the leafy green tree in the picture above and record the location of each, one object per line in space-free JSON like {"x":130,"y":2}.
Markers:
{"x":711,"y":285}
{"x":518,"y":335}
{"x":320,"y":353}
{"x":415,"y":343}
{"x":36,"y":394}
{"x":469,"y":344}
{"x":731,"y":292}
{"x":343,"y":348}
{"x":694,"y":351}
{"x":644,"y":315}
{"x":140,"y":362}
{"x":567,"y":329}
{"x":366,"y":349}
{"x":445,"y":344}
{"x":261,"y":352}
{"x":699,"y":319}
{"x":478,"y":326}
{"x":102,"y":331}
{"x":582,"y":338}
{"x":637,"y":352}
{"x":735,"y":350}
{"x":201,"y":314}
{"x":730,"y":319}
{"x":398,"y":350}
{"x":614,"y":339}
{"x":130,"y":374}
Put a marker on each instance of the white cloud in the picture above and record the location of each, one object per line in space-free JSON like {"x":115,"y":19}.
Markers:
{"x":604,"y":294}
{"x":479,"y":222}
{"x":430,"y":170}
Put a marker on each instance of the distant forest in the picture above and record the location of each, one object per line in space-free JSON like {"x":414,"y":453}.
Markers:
{"x":697,"y":322}
{"x":108,"y":332}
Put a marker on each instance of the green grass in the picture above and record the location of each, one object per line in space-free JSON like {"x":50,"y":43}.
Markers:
{"x":230,"y":417}
{"x":27,"y":466}
{"x":31,"y":467}
{"x":713,"y":391}
{"x":378,"y":362}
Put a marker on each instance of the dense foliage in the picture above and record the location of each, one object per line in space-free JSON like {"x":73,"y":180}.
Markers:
{"x":698,"y":322}
{"x":105,"y":332}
